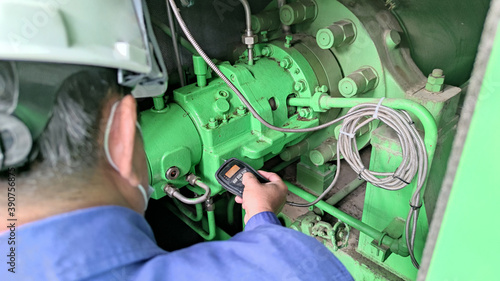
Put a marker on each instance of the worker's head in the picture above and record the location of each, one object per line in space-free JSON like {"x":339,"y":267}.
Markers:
{"x":91,"y":144}
{"x":66,"y":115}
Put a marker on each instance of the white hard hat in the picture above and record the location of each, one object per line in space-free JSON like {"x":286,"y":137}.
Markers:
{"x":111,"y":33}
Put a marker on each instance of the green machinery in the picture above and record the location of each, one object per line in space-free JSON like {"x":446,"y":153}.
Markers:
{"x":307,"y":63}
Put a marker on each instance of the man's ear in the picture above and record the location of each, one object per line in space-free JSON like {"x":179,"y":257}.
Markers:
{"x":121,"y":138}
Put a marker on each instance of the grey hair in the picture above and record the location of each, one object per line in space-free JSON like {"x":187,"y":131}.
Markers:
{"x":69,"y":140}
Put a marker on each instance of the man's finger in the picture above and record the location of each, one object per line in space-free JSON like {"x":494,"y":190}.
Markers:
{"x":270,"y":176}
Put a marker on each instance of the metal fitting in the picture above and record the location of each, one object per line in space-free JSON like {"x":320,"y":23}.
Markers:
{"x":241,"y":110}
{"x":191,"y":179}
{"x":169,"y":189}
{"x":209,"y":205}
{"x":172,"y":173}
{"x":321,"y":89}
{"x":358,"y":82}
{"x":340,"y":33}
{"x":288,"y":41}
{"x":435,"y":81}
{"x":212,"y":123}
{"x":249,"y":39}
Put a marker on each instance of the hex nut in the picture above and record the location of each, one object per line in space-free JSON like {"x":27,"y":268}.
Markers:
{"x":249,"y":40}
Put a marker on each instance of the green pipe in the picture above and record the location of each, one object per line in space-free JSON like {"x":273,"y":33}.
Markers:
{"x":230,"y":210}
{"x":188,"y":213}
{"x":397,"y":246}
{"x":184,"y":43}
{"x":341,"y":194}
{"x":159,"y":103}
{"x":283,"y":165}
{"x":200,"y":70}
{"x":417,"y":109}
{"x":211,"y":223}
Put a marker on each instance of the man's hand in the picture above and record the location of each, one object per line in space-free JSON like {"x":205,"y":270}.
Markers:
{"x":262,"y":197}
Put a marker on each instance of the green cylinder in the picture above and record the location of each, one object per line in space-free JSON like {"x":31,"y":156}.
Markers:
{"x":298,"y":12}
{"x":200,"y":70}
{"x":163,"y":144}
{"x":358,"y":82}
{"x":340,"y":33}
{"x":324,"y":153}
{"x":266,"y":21}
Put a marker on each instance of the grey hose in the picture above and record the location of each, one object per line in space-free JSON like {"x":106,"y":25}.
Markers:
{"x":175,"y":193}
{"x":248,"y":16}
{"x":176,"y":46}
{"x":248,"y":31}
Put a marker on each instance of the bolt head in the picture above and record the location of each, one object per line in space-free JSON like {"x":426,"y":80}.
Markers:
{"x":370,"y":76}
{"x":267,"y":51}
{"x":286,"y":63}
{"x":300,"y":86}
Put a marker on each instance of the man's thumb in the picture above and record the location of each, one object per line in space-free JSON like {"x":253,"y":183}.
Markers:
{"x":249,"y":178}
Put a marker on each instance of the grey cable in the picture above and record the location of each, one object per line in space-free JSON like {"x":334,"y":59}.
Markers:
{"x":176,"y":46}
{"x":413,"y":148}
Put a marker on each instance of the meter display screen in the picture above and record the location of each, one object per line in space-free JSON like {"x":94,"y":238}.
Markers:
{"x":230,"y":173}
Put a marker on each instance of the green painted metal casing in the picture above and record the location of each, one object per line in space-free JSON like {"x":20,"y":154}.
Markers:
{"x":294,"y":67}
{"x":466,"y":247}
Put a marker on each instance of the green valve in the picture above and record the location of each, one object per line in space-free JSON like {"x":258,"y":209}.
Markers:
{"x":298,"y":12}
{"x":339,"y":34}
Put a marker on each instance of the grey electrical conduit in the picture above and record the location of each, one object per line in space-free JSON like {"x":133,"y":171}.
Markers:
{"x":373,"y":109}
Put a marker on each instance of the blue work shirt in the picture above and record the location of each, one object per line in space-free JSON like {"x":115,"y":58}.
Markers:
{"x":116,"y":243}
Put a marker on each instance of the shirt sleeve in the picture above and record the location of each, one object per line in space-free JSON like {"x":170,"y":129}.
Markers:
{"x":264,"y":251}
{"x":261,"y":218}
